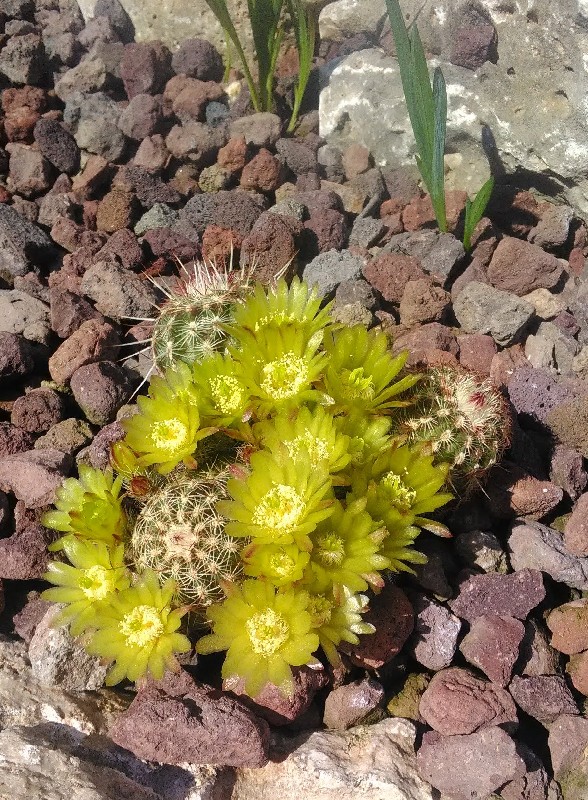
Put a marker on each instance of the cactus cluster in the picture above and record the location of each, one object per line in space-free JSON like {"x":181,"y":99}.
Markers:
{"x":268,"y":482}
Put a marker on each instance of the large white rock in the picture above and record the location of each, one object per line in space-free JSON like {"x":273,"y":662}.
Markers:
{"x":526,"y":114}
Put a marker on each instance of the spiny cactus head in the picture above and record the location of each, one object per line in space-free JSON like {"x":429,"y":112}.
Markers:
{"x":463,"y":417}
{"x":190,"y":324}
{"x":180,"y":534}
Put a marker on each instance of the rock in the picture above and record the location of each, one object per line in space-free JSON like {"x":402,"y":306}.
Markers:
{"x":392,"y":613}
{"x":568,"y":738}
{"x":366,"y":232}
{"x":26,"y":620}
{"x":262,"y":173}
{"x":100,"y":389}
{"x":567,"y":471}
{"x":423,"y":302}
{"x":195,"y":142}
{"x":487,"y":760}
{"x":190,"y":97}
{"x":576,"y":529}
{"x":569,"y":627}
{"x":436,"y":631}
{"x":520,"y":267}
{"x":214,"y":178}
{"x":481,"y":549}
{"x":24,"y":556}
{"x":233,"y":156}
{"x":350,"y":764}
{"x":117,"y":210}
{"x":261,"y":129}
{"x":406,"y":702}
{"x":93,"y":341}
{"x":118,"y":18}
{"x":324,"y":231}
{"x":142,"y":117}
{"x":513,"y":492}
{"x":515,"y":594}
{"x":69,"y":311}
{"x":328,"y":270}
{"x":29,"y":172}
{"x":33,"y":475}
{"x":208,"y":727}
{"x":272,"y":705}
{"x":352,"y":703}
{"x":439,"y":254}
{"x":152,"y":154}
{"x":22,"y":245}
{"x":473,"y":44}
{"x":57,"y":145}
{"x":67,"y":436}
{"x":198,"y":58}
{"x":145,"y":68}
{"x":148,"y":186}
{"x":269,"y":248}
{"x":93,"y":119}
{"x":569,"y":424}
{"x":544,"y":697}
{"x":537,"y":657}
{"x":492,"y":645}
{"x":118,"y":292}
{"x":57,"y":659}
{"x":553,"y":228}
{"x":534,"y":393}
{"x":97,"y":454}
{"x":534,"y":546}
{"x":25,"y":701}
{"x":298,"y":157}
{"x":16,"y":359}
{"x":552,"y":348}
{"x":234,"y":210}
{"x":22,"y":59}
{"x":13,"y":440}
{"x":37,"y":410}
{"x":455,"y":702}
{"x":159,"y":216}
{"x":476,"y":351}
{"x":483,"y":309}
{"x":577,"y":669}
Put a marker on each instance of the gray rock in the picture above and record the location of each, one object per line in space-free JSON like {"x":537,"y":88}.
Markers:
{"x":22,"y":314}
{"x":537,"y":655}
{"x":57,"y":659}
{"x":437,"y":253}
{"x":196,"y":142}
{"x":480,"y":762}
{"x":350,"y":763}
{"x":22,"y":245}
{"x":117,"y":16}
{"x":328,"y":270}
{"x":57,"y":145}
{"x":29,"y":172}
{"x":551,"y":348}
{"x":481,"y":549}
{"x":22,"y":59}
{"x":535,"y":546}
{"x":480,"y":308}
{"x":117,"y":291}
{"x":366,"y":232}
{"x":434,"y":641}
{"x":94,"y":119}
{"x":159,"y":216}
{"x":352,"y":704}
{"x":260,"y":130}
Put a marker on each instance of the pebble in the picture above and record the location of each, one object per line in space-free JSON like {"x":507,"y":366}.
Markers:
{"x":544,"y":697}
{"x":436,"y":631}
{"x":534,"y":546}
{"x":492,"y":645}
{"x":515,"y":594}
{"x":352,"y":703}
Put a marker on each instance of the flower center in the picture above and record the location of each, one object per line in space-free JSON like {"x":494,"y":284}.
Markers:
{"x":282,"y":565}
{"x":402,"y":496}
{"x":141,"y":626}
{"x":359,"y":385}
{"x":96,"y":582}
{"x":330,"y":550}
{"x":284,"y":377}
{"x":227,"y":393}
{"x":320,"y":610}
{"x":318,"y":449}
{"x":169,"y":434}
{"x":267,"y":631}
{"x":281,"y":508}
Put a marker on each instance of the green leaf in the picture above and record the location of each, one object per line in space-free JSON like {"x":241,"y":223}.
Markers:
{"x":304,"y":24}
{"x":474,"y":211}
{"x":437,"y":187}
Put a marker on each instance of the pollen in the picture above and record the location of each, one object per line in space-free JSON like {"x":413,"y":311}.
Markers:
{"x":318,"y":449}
{"x":281,"y":508}
{"x":227,"y":393}
{"x":285,"y":377}
{"x":141,"y":626}
{"x":330,"y":550}
{"x":96,"y":583}
{"x":320,"y":609}
{"x":282,"y":565}
{"x":169,"y":434}
{"x":268,"y":631}
{"x":401,"y":495}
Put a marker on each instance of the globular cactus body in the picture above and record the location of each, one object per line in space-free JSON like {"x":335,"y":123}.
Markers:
{"x":179,"y":534}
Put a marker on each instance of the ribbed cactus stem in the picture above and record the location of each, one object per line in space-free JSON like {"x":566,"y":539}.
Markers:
{"x":180,"y":534}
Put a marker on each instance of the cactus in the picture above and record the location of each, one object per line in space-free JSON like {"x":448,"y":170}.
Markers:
{"x":180,"y":535}
{"x":190,"y":323}
{"x":464,"y":419}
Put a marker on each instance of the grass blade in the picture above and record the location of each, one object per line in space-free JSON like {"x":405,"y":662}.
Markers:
{"x":474,"y":211}
{"x":437,"y":188}
{"x":304,"y":24}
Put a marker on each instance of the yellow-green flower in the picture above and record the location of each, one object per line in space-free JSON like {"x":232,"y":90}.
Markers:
{"x":137,"y":630}
{"x":361,"y":371}
{"x":296,"y":306}
{"x":280,"y":368}
{"x":280,"y":502}
{"x":345,"y":551}
{"x":368,"y":436}
{"x":167,"y":429}
{"x":314,"y":431}
{"x":399,"y":486}
{"x":98,"y":572}
{"x":279,"y":564}
{"x":337,"y":620}
{"x":89,"y":507}
{"x":222,"y":391}
{"x":265,"y":633}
